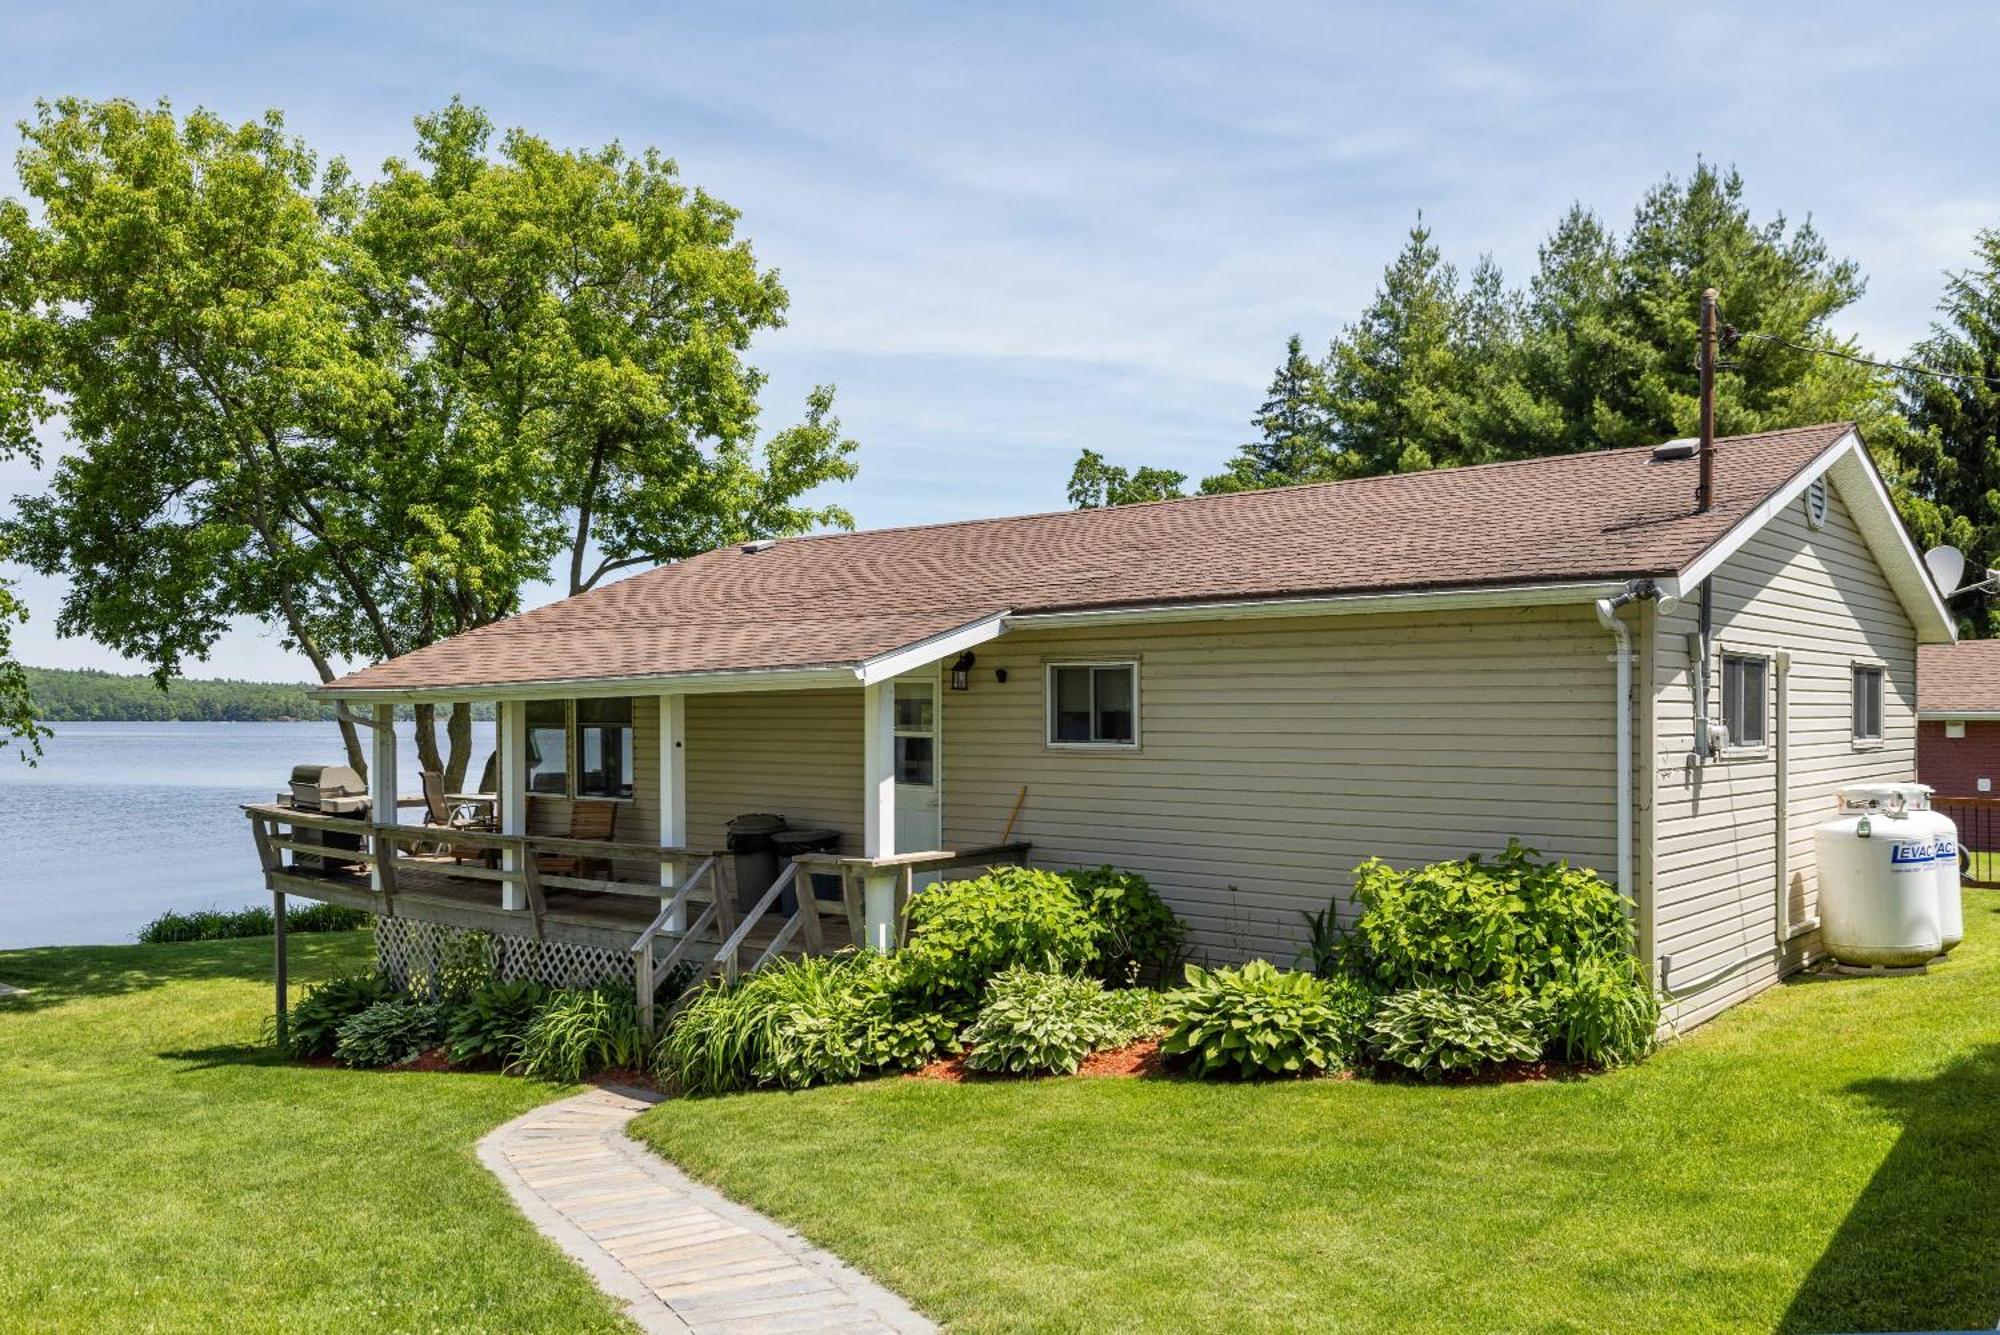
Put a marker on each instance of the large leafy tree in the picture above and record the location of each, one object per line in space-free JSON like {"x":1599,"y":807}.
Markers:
{"x":370,"y":416}
{"x":1095,"y":483}
{"x":17,"y":710}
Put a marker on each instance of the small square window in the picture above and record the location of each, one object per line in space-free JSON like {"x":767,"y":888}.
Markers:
{"x":1743,"y":700}
{"x":1955,"y":731}
{"x":1094,"y":704}
{"x":1867,"y":704}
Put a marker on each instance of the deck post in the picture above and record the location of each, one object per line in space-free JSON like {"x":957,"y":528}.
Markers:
{"x":281,"y":1027}
{"x":382,"y":798}
{"x":878,"y":892}
{"x":673,"y":800}
{"x":511,"y":737}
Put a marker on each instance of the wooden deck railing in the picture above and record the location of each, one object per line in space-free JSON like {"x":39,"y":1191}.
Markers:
{"x":496,"y":859}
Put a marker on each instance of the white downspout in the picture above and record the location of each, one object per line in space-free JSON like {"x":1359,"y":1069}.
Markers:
{"x":1607,"y":613}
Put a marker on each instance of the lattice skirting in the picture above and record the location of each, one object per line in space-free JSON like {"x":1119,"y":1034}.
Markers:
{"x":428,"y":958}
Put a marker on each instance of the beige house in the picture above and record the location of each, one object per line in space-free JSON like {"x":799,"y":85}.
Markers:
{"x":1239,"y":696}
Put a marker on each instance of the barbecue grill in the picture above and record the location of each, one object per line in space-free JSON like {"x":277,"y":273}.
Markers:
{"x":327,"y":790}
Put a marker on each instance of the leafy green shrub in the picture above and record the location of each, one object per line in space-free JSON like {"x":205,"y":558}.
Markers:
{"x":799,"y":1022}
{"x":1130,"y":1014}
{"x":1432,"y":1030}
{"x":1260,"y":1020}
{"x":581,"y":1031}
{"x":1037,"y":1022}
{"x":388,"y":1033}
{"x":964,"y":932}
{"x":217,"y":925}
{"x":1521,"y":926}
{"x":491,"y":1024}
{"x":313,"y":1023}
{"x":1137,"y":934}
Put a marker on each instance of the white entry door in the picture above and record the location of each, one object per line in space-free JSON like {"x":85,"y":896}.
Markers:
{"x":917,"y":764}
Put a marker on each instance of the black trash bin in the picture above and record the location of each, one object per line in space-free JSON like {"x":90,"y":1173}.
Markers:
{"x":790,"y":843}
{"x":750,"y":837}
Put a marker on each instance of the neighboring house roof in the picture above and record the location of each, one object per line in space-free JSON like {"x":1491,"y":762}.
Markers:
{"x":844,"y":601}
{"x":1959,"y":680}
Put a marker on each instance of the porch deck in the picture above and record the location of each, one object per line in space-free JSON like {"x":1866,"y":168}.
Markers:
{"x":684,"y":911}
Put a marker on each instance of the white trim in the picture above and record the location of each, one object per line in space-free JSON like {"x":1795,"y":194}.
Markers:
{"x":1855,"y":667}
{"x":1422,"y":600}
{"x":1958,"y":715}
{"x":1874,"y":513}
{"x":594,"y":688}
{"x":926,"y":651}
{"x":1049,"y":669}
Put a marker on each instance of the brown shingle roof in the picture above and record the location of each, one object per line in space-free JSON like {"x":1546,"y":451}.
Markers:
{"x":844,"y":598}
{"x":1959,"y":677}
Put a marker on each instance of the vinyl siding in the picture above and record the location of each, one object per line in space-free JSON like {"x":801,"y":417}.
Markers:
{"x":797,"y":753}
{"x":1821,"y":596}
{"x":1278,"y":754}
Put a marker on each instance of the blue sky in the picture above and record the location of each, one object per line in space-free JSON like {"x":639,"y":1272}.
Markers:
{"x":1014,"y":231}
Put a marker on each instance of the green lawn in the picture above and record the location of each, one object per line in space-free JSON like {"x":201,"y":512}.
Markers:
{"x":1825,"y":1158}
{"x":158,"y":1170}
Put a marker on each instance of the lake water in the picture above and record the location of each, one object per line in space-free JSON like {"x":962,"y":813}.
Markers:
{"x":122,"y":821}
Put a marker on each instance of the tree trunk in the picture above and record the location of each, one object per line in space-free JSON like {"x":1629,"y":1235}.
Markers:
{"x":458,"y":729}
{"x":427,"y":741}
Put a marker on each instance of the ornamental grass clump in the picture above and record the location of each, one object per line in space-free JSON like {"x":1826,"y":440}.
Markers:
{"x":1517,"y":926}
{"x":579,"y":1032}
{"x":800,"y":1022}
{"x":1260,"y":1020}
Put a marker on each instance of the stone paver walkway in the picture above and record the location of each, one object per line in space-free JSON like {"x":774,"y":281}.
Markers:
{"x":680,"y":1256}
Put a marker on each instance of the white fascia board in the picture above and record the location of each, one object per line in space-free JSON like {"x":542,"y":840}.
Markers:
{"x":1433,"y":600}
{"x":1847,"y":461}
{"x":586,"y":688}
{"x":1958,"y":715}
{"x":927,"y":651}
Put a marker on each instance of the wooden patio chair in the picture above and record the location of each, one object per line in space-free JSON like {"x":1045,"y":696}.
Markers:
{"x":440,"y":813}
{"x":587,"y":820}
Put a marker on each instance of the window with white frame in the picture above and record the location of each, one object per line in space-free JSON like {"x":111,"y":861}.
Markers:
{"x":1867,"y":703}
{"x":580,"y":748}
{"x":1093,"y":704}
{"x":1745,"y":696}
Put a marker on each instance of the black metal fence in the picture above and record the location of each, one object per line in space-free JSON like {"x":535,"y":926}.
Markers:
{"x":1978,"y":821}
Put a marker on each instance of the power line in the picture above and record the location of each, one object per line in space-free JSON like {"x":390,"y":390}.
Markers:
{"x":1731,"y":335}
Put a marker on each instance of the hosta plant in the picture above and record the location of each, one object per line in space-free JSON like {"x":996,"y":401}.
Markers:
{"x":1259,"y":1020}
{"x":1434,"y":1030}
{"x":491,"y":1024}
{"x":388,"y":1033}
{"x":1034,"y":1022}
{"x":313,"y":1023}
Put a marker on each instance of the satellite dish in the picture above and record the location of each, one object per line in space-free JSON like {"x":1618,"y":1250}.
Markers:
{"x":1947,"y":567}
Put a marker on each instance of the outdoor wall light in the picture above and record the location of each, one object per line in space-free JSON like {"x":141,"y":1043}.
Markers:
{"x":961,"y":672}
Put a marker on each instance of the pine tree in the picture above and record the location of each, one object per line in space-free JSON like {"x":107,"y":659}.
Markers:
{"x":1294,"y":441}
{"x":1953,"y":482}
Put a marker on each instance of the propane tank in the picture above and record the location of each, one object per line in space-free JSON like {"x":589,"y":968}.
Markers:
{"x":1944,"y":860}
{"x":1878,"y":892}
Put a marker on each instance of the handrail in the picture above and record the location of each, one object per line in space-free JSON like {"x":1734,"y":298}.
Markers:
{"x":546,"y":843}
{"x":917,"y":861}
{"x":674,"y":905}
{"x":727,"y":956}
